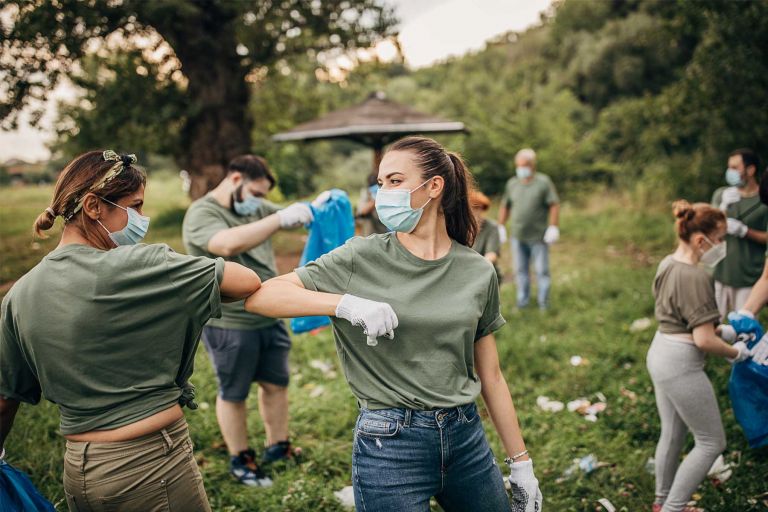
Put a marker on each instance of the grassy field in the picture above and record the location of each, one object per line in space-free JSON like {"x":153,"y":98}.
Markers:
{"x":601,"y":270}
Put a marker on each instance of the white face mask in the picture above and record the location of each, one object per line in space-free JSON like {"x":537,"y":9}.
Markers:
{"x":715,"y":254}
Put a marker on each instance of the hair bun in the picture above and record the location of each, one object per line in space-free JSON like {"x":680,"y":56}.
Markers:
{"x":682,"y":209}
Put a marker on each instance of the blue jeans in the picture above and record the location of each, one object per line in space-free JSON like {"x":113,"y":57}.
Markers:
{"x":401,"y":458}
{"x":523,"y":252}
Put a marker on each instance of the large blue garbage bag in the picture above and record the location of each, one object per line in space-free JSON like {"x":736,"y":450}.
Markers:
{"x":332,"y":227}
{"x":748,"y":387}
{"x":18,"y":494}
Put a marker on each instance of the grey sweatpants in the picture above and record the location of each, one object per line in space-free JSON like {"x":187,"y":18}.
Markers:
{"x":686,"y":401}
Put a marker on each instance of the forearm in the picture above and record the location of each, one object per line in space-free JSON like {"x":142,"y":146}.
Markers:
{"x":500,"y":407}
{"x":283,"y":297}
{"x":492,"y":257}
{"x":759,"y":294}
{"x":554,"y":214}
{"x":8,"y":410}
{"x":233,"y":241}
{"x":503,"y":215}
{"x":757,"y":236}
{"x":706,"y":339}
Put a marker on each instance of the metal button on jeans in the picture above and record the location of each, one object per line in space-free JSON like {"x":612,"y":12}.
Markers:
{"x":440,"y":416}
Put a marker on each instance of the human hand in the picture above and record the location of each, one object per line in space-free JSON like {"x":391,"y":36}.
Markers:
{"x":295,"y":215}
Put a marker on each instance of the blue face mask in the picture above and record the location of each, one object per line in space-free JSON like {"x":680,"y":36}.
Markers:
{"x":133,"y":232}
{"x":373,"y":190}
{"x":523,"y":172}
{"x":733,"y":178}
{"x":248,"y":206}
{"x":394,"y":209}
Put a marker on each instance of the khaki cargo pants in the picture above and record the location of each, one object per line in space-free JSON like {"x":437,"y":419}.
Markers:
{"x":153,"y":473}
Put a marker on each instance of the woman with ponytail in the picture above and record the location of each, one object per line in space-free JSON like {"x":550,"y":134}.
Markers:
{"x":688,"y":316}
{"x":436,"y":301}
{"x":106,"y":328}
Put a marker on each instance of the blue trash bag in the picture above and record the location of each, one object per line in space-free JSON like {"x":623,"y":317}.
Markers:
{"x":333,"y":225}
{"x":748,"y":388}
{"x":18,"y":494}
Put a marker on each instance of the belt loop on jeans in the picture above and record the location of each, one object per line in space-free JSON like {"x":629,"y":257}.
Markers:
{"x":461,"y":416}
{"x":168,"y":442}
{"x":407,"y":420}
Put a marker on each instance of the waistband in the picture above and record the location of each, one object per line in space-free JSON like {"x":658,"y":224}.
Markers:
{"x":434,"y":418}
{"x":166,"y":438}
{"x":683,"y":337}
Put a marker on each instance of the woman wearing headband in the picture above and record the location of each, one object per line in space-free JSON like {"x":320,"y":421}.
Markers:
{"x":107,"y":328}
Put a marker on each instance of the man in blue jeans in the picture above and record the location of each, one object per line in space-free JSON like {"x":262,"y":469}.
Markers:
{"x":531,"y":200}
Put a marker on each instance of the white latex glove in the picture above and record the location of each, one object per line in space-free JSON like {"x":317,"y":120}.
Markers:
{"x":376,"y":318}
{"x":730,"y":195}
{"x":737,"y":228}
{"x":728,"y":333}
{"x":526,"y":496}
{"x":2,"y":455}
{"x":760,"y":351}
{"x":321,"y":198}
{"x":743,"y":352}
{"x":551,"y":235}
{"x":502,"y":234}
{"x":295,"y":215}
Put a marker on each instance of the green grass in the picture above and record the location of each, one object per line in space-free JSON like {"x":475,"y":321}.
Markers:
{"x":602,"y":272}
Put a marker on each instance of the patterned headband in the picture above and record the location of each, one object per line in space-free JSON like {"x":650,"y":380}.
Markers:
{"x":121,"y":162}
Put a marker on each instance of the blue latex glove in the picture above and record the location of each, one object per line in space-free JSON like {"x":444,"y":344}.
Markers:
{"x":744,"y":322}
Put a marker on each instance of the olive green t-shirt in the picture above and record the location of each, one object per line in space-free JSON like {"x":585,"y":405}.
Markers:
{"x":443,"y":306}
{"x":488,"y":241}
{"x":743,"y":263}
{"x":206,"y":217}
{"x":529,"y":204}
{"x":108,"y":336}
{"x":685,"y":297}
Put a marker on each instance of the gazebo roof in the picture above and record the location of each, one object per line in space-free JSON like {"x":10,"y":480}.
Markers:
{"x":375,"y":122}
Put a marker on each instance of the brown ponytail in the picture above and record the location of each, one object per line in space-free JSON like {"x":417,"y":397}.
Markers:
{"x":696,"y":218}
{"x":77,"y":179}
{"x":434,"y":160}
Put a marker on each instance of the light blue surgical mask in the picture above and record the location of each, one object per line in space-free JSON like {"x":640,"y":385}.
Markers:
{"x":715,"y":254}
{"x":523,"y":172}
{"x":248,"y":206}
{"x":133,"y":232}
{"x":733,"y":178}
{"x":394,"y":209}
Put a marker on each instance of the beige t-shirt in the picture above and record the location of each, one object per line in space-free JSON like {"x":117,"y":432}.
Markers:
{"x":685,"y":297}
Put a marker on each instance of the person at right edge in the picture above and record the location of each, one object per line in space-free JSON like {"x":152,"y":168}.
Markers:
{"x":746,"y":239}
{"x":688,"y":317}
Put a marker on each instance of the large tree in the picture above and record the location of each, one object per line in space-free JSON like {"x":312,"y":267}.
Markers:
{"x":211,"y":48}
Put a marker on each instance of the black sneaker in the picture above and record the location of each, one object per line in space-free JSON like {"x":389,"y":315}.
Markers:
{"x":244,"y":468}
{"x":280,"y":452}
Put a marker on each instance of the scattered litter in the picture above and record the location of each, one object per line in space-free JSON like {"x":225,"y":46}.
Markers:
{"x":549,"y":405}
{"x":543,"y":338}
{"x":346,"y":497}
{"x":319,"y":390}
{"x":640,"y":324}
{"x":204,"y":406}
{"x":628,"y":394}
{"x":650,"y":465}
{"x":586,"y":465}
{"x":586,"y":408}
{"x":579,"y":361}
{"x":607,"y":505}
{"x":320,"y":365}
{"x":600,"y":396}
{"x":627,"y":366}
{"x":720,"y":471}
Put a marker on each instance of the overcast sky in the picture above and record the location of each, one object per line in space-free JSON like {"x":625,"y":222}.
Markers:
{"x":430,"y":30}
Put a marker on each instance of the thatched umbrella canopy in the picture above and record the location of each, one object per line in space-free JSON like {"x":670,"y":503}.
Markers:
{"x":375,"y":123}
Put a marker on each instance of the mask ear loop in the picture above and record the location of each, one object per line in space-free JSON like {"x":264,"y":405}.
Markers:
{"x":417,"y":188}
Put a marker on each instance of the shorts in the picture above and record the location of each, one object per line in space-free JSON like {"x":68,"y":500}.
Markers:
{"x":241,"y":357}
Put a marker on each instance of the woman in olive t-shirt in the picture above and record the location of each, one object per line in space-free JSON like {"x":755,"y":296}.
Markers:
{"x":107,"y":329}
{"x":687,"y":314}
{"x":418,"y":434}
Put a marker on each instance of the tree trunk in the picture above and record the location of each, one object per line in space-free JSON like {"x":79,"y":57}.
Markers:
{"x":218,"y":127}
